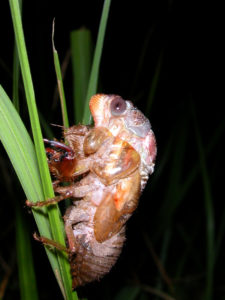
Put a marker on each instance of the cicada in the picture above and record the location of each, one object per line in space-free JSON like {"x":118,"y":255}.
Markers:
{"x":106,"y":167}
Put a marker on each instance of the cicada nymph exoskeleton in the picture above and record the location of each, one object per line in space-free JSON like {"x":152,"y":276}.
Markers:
{"x":107,"y":167}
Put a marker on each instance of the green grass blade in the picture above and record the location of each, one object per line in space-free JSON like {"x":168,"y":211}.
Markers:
{"x":16,"y":73}
{"x":81,"y":54}
{"x":93,"y":81}
{"x":18,"y":138}
{"x":59,"y":81}
{"x":28,"y":85}
{"x":54,"y":214}
{"x":20,"y":150}
{"x":27,"y":278}
{"x":46,"y":128}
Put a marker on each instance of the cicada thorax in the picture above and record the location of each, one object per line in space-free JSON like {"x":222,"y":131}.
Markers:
{"x":117,"y":160}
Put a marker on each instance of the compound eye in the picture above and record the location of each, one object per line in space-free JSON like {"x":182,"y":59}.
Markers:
{"x":117,"y":106}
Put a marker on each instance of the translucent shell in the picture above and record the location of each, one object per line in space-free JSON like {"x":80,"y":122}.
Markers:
{"x":107,"y":165}
{"x":120,"y":161}
{"x":116,"y":208}
{"x":94,"y":140}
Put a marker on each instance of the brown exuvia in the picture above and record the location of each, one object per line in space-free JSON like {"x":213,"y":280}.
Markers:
{"x":107,"y":167}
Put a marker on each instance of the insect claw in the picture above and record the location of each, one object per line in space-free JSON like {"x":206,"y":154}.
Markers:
{"x":37,"y":237}
{"x":29,"y":203}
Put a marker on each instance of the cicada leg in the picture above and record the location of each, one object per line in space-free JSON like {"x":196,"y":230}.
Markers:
{"x":75,"y":190}
{"x":47,"y":202}
{"x":51,"y":243}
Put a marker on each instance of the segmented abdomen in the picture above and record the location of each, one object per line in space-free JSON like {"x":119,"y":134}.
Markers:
{"x":90,"y":260}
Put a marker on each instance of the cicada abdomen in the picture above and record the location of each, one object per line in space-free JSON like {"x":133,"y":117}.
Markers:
{"x":89,"y":259}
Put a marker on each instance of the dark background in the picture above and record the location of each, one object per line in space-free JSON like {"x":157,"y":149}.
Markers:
{"x":138,"y":34}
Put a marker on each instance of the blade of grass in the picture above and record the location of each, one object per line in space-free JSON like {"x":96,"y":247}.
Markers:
{"x":16,"y":73}
{"x":59,"y":81}
{"x":27,"y":278}
{"x":28,"y":85}
{"x":93,"y":81}
{"x":81,"y":54}
{"x":209,"y":211}
{"x":46,"y":128}
{"x":13,"y":128}
{"x":53,"y":212}
{"x":20,"y":150}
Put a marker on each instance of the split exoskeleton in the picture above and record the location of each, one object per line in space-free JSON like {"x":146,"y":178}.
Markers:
{"x":107,"y":167}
